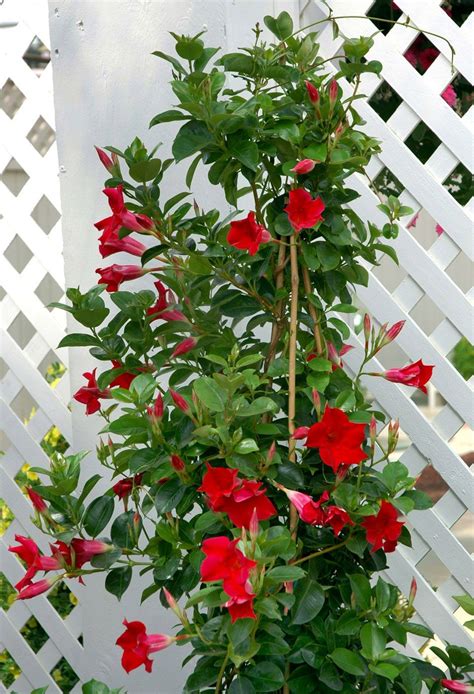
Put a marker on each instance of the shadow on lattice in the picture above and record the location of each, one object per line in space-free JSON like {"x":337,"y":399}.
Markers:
{"x":14,"y":177}
{"x":37,"y":56}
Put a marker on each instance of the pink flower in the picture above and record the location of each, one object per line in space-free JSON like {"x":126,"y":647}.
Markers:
{"x":416,"y":375}
{"x":137,"y":645}
{"x":304,"y":212}
{"x":121,"y":217}
{"x":161,"y":309}
{"x":247,"y":235}
{"x":184,"y":347}
{"x":308,"y":510}
{"x":439,"y":229}
{"x":450,"y":96}
{"x":304,"y":166}
{"x":114,"y":275}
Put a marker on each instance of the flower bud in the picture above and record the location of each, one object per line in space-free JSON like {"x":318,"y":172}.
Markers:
{"x":105,"y":159}
{"x":333,"y":90}
{"x":179,"y":401}
{"x":253,"y":526}
{"x":37,"y":501}
{"x":393,"y":433}
{"x":177,"y":463}
{"x":412,"y":594}
{"x":37,"y":588}
{"x":271,"y":453}
{"x":304,"y":166}
{"x":184,"y":347}
{"x":316,"y":401}
{"x":367,"y":328}
{"x":312,"y":93}
{"x":373,"y":430}
{"x":392,"y":333}
{"x":300,"y":433}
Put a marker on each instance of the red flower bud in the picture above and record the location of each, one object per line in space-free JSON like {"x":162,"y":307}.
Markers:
{"x":179,"y":401}
{"x":300,"y":433}
{"x":373,"y":430}
{"x":184,"y":347}
{"x":333,"y":90}
{"x":413,"y":589}
{"x":37,"y":588}
{"x":156,"y":411}
{"x":37,"y":500}
{"x":312,"y":92}
{"x":367,"y":328}
{"x":304,"y":166}
{"x":271,"y":453}
{"x":177,"y":463}
{"x":105,"y":159}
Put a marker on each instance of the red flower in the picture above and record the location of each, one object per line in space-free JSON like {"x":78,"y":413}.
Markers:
{"x":456,"y":686}
{"x":304,"y":212}
{"x":111,"y":243}
{"x":34,"y":589}
{"x":114,"y":275}
{"x":338,"y":439}
{"x":124,"y":487}
{"x":312,"y":92}
{"x":28,"y":551}
{"x":124,"y":379}
{"x":416,"y":375}
{"x":121,"y":217}
{"x":37,"y":500}
{"x":247,"y":235}
{"x":91,"y":394}
{"x":337,"y":518}
{"x":137,"y":645}
{"x":224,"y":562}
{"x":77,"y":553}
{"x":308,"y":510}
{"x":238,"y":498}
{"x":161,"y":309}
{"x":304,"y":166}
{"x":450,"y":96}
{"x":333,"y":355}
{"x":241,"y":608}
{"x":184,"y":346}
{"x":383,"y":530}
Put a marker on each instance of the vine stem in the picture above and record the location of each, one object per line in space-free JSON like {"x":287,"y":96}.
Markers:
{"x":322,"y":551}
{"x":276,"y":326}
{"x":221,"y":673}
{"x":318,"y":338}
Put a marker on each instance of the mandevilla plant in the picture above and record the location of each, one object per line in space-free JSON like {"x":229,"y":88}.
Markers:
{"x":255,"y":488}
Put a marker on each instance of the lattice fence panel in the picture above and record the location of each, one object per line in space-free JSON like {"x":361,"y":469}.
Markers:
{"x":39,"y":639}
{"x":431,"y":290}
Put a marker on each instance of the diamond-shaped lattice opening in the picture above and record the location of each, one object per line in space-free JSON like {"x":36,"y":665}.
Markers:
{"x":460,"y":271}
{"x":14,"y":177}
{"x":25,"y":477}
{"x":11,"y":98}
{"x":459,"y":184}
{"x":41,"y":136}
{"x":387,"y":183}
{"x":62,"y":599}
{"x":431,"y":482}
{"x":54,"y":442}
{"x":424,"y":228}
{"x":24,"y":406}
{"x":37,"y":55}
{"x":34,"y":634}
{"x":385,"y":12}
{"x":51,"y":368}
{"x":3,"y":293}
{"x":421,"y":53}
{"x":462,"y":358}
{"x":21,"y":330}
{"x":463,"y":531}
{"x":45,"y":214}
{"x":433,"y":570}
{"x":18,"y":254}
{"x":48,"y":290}
{"x":426,"y":314}
{"x":6,"y":517}
{"x":422,"y":142}
{"x":388,"y":273}
{"x":7,"y":592}
{"x":5,"y":442}
{"x":459,"y":94}
{"x":3,"y":369}
{"x":64,"y":676}
{"x":9,"y":669}
{"x":385,"y":101}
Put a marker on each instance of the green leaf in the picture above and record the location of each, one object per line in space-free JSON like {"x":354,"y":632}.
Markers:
{"x":244,"y":151}
{"x":169,"y":495}
{"x":118,"y":580}
{"x":320,"y":364}
{"x":386,"y":670}
{"x":239,"y":631}
{"x":266,"y":676}
{"x":147,"y":170}
{"x":191,"y":138}
{"x":309,"y":601}
{"x":94,"y":687}
{"x":98,"y":514}
{"x":418,"y":629}
{"x":373,"y":641}
{"x":258,"y":406}
{"x":329,"y":257}
{"x":241,"y":685}
{"x":316,"y":152}
{"x":281,"y":26}
{"x":361,"y":588}
{"x":268,"y":607}
{"x":210,"y":394}
{"x":348,"y":661}
{"x":121,"y":532}
{"x":78,"y":340}
{"x":175,"y":63}
{"x":281,"y":574}
{"x":168,"y":116}
{"x":246,"y":446}
{"x":466,"y":602}
{"x":192,"y":169}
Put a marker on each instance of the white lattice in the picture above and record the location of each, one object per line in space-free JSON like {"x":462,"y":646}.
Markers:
{"x":31,"y":277}
{"x":423,"y":277}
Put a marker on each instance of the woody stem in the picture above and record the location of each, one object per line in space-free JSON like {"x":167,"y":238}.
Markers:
{"x":318,"y":338}
{"x":277,"y":323}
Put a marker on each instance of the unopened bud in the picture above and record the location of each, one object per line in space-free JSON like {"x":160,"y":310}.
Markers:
{"x":412,"y":594}
{"x":373,"y":430}
{"x":179,"y":401}
{"x":316,"y":401}
{"x":312,"y":93}
{"x":177,"y":463}
{"x":392,"y":333}
{"x":105,"y":159}
{"x":333,"y":90}
{"x":367,"y":327}
{"x":300,"y":433}
{"x":253,"y":526}
{"x":271,"y":453}
{"x":37,"y":501}
{"x":393,"y":433}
